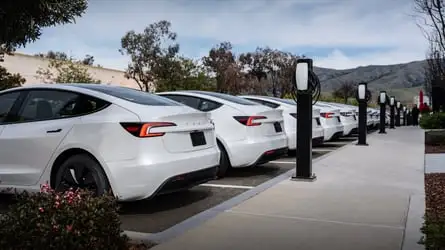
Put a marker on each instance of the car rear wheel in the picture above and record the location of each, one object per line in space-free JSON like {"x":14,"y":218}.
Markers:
{"x":81,"y":172}
{"x":224,"y":162}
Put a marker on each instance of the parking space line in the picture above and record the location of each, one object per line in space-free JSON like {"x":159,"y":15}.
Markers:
{"x":283,"y":162}
{"x":225,"y":186}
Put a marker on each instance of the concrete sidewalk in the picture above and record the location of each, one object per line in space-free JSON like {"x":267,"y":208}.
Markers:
{"x":361,"y":200}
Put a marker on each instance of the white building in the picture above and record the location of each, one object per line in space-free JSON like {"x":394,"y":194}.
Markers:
{"x":425,"y":99}
{"x":28,"y":65}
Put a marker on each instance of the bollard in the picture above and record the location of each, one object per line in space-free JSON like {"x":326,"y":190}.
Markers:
{"x":392,"y":112}
{"x":303,"y":75}
{"x":382,"y":101}
{"x":362,"y":113}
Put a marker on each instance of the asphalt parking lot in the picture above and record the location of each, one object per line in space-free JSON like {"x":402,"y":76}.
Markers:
{"x":163,"y":212}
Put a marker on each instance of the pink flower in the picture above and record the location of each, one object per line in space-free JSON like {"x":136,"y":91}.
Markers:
{"x":57,"y":204}
{"x":41,"y":209}
{"x":69,"y":228}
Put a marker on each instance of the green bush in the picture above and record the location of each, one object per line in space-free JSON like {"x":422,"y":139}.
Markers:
{"x":432,"y":121}
{"x":434,"y":231}
{"x":71,"y":220}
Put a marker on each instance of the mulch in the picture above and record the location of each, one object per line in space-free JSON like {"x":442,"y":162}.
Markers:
{"x":434,"y":149}
{"x":141,"y":246}
{"x":435,"y":195}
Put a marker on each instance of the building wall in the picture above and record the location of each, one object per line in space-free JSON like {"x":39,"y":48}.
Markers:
{"x":425,"y":99}
{"x":28,"y":65}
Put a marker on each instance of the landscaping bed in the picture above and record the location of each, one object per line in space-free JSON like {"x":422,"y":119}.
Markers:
{"x":434,"y":224}
{"x":141,"y":246}
{"x":434,"y":141}
{"x":434,"y":149}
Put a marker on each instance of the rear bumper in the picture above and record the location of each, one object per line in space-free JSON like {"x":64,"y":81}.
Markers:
{"x":186,"y":181}
{"x":348,"y":128}
{"x":271,"y":155}
{"x":247,"y":152}
{"x":145,"y":177}
{"x":317,"y":141}
{"x":333,"y":132}
{"x":292,"y":137}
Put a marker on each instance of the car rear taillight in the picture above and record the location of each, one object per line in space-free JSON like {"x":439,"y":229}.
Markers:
{"x":249,"y":120}
{"x":142,"y":129}
{"x":294,"y":115}
{"x":327,"y":115}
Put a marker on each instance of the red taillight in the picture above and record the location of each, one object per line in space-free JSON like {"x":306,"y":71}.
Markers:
{"x":143,"y":129}
{"x":249,"y":120}
{"x":294,"y":115}
{"x":327,"y":115}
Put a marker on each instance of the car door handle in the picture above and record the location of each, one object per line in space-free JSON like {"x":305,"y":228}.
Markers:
{"x":54,"y":131}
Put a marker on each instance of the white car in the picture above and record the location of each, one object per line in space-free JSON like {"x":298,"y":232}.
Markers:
{"x":290,"y":118}
{"x":347,"y":117}
{"x":103,"y":138}
{"x":247,"y":133}
{"x":330,"y":121}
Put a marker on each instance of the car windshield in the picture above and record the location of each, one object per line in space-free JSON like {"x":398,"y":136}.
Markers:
{"x":131,"y":95}
{"x":230,"y":98}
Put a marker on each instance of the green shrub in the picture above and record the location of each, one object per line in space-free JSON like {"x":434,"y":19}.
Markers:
{"x":49,"y":220}
{"x":432,"y":121}
{"x":434,"y":231}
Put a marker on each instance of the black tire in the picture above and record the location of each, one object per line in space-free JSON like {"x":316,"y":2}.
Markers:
{"x":224,"y":162}
{"x":89,"y":175}
{"x":292,"y":152}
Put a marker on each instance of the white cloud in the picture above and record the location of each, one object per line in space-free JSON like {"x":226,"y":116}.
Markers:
{"x":332,"y":24}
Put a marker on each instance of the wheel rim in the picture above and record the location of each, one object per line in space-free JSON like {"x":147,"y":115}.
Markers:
{"x":77,"y":176}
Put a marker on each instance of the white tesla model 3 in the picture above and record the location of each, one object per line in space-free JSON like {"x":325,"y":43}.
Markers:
{"x":103,"y":138}
{"x":247,"y":133}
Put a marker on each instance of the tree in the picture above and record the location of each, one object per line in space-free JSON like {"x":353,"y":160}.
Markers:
{"x":255,"y":65}
{"x":222,"y":62}
{"x":345,"y":91}
{"x":8,"y":80}
{"x":152,"y":52}
{"x":22,"y":21}
{"x":432,"y":16}
{"x":88,"y":60}
{"x":67,"y":71}
{"x":187,"y":75}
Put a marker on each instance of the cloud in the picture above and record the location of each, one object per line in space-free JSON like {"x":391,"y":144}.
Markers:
{"x":329,"y":25}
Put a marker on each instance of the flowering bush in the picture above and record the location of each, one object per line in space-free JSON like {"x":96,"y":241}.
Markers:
{"x":75,"y":219}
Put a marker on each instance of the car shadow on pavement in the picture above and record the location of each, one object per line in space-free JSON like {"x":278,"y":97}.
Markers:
{"x":264,"y":170}
{"x":164,"y":202}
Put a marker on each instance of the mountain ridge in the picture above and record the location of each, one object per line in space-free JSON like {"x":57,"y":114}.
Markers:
{"x":379,"y":77}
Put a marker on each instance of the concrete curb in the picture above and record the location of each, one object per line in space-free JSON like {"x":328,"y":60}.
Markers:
{"x":414,"y":222}
{"x":200,"y":218}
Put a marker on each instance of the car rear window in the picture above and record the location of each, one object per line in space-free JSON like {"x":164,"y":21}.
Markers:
{"x":230,"y":98}
{"x":132,"y":95}
{"x":287,"y":101}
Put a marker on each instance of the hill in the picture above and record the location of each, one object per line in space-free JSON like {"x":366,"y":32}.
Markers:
{"x":402,"y":80}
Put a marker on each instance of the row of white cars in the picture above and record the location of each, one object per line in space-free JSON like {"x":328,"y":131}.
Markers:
{"x":138,"y":145}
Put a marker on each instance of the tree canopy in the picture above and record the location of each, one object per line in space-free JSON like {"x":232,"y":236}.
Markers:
{"x":21,"y":22}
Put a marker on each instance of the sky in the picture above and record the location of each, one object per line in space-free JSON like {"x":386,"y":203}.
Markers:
{"x":336,"y":34}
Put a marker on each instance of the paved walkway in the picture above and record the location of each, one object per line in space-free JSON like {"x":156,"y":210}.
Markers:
{"x":364,"y":198}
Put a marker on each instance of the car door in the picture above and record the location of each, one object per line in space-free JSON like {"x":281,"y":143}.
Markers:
{"x":33,"y":133}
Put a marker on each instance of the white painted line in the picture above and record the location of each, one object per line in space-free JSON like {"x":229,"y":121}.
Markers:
{"x":322,"y":150}
{"x":225,"y":186}
{"x":283,"y":162}
{"x":315,"y":220}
